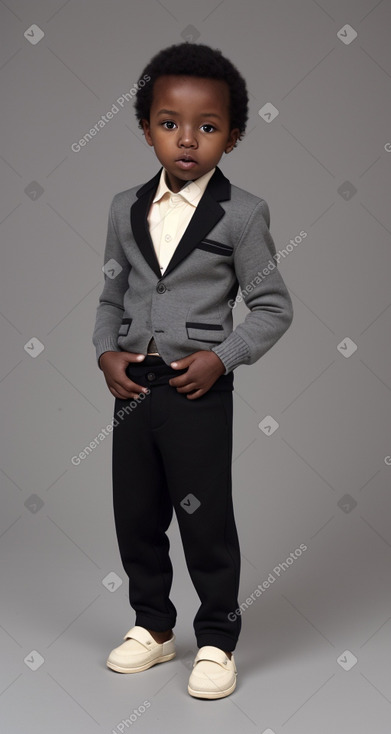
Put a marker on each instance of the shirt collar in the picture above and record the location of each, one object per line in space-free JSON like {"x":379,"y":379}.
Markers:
{"x":191,"y":191}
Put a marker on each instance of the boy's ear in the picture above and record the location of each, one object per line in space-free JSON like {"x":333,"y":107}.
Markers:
{"x":146,"y":129}
{"x":232,"y":140}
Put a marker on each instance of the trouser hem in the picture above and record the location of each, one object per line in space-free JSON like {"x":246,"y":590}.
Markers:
{"x":221,"y":641}
{"x":157,"y":624}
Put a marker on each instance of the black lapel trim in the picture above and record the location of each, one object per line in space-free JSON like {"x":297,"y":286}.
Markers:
{"x":205,"y":217}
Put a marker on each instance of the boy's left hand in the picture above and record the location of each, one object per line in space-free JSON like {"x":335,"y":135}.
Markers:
{"x":204,"y":368}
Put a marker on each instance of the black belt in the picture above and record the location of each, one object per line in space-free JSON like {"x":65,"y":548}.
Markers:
{"x":153,"y":371}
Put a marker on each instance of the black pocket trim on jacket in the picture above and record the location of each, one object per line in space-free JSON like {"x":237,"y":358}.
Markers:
{"x":217,"y":247}
{"x":199,"y":331}
{"x":125,"y":326}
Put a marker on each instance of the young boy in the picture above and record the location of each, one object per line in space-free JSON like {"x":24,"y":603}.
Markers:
{"x":177,"y":249}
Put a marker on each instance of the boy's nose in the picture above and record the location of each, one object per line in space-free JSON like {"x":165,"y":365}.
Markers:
{"x":187,"y":139}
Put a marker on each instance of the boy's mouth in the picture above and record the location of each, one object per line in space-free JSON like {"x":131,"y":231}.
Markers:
{"x":186,"y":161}
{"x":186,"y":157}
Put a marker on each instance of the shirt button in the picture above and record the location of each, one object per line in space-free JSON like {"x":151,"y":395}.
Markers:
{"x":168,"y":237}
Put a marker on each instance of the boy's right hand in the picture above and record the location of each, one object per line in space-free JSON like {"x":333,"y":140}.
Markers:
{"x":113,"y":366}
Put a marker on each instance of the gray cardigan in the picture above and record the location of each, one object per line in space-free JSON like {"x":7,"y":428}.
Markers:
{"x":226,"y":245}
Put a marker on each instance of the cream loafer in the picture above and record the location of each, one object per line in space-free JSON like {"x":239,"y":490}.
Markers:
{"x":213,"y":674}
{"x":139,"y":652}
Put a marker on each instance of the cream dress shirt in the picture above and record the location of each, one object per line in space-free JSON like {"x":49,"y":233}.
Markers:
{"x":168,"y":218}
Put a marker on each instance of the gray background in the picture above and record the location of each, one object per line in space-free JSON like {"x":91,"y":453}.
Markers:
{"x":321,"y":479}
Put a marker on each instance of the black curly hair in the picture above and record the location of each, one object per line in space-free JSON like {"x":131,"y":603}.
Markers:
{"x":194,"y":59}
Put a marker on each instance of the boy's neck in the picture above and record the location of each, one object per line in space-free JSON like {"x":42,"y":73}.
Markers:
{"x":168,"y":183}
{"x":184,"y":183}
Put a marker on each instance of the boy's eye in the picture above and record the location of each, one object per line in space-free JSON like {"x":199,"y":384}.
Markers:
{"x":172,"y":123}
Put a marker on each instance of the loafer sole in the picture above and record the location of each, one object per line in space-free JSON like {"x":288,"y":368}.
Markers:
{"x":140,"y":668}
{"x":212,"y":694}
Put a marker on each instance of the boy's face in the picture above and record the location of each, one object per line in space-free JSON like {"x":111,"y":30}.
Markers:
{"x":189,"y":117}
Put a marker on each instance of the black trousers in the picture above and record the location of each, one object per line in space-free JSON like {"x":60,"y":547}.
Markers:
{"x":172,"y":453}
